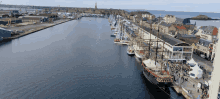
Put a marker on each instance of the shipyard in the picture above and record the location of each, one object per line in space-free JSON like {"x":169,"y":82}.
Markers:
{"x":149,"y":54}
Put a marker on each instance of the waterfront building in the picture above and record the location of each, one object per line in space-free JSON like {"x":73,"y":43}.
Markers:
{"x":174,"y":49}
{"x":169,"y":19}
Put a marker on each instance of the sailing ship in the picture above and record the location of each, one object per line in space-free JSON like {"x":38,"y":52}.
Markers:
{"x":156,"y":73}
{"x":124,"y":39}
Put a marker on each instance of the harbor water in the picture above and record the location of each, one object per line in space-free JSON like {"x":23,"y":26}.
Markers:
{"x":74,"y":60}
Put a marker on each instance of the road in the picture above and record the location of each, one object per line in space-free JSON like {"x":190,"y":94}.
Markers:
{"x":202,"y":61}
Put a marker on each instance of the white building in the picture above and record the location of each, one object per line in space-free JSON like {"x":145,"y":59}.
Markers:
{"x":174,"y":49}
{"x":169,"y":19}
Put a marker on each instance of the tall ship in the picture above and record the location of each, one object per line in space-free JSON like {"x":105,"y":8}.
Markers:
{"x":156,"y":70}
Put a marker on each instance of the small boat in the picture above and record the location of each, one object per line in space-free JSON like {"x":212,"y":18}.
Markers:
{"x":124,"y":42}
{"x":139,"y":52}
{"x":113,"y":35}
{"x":116,"y":40}
{"x":130,"y":51}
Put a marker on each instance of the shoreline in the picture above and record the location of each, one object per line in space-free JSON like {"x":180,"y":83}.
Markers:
{"x":35,"y":30}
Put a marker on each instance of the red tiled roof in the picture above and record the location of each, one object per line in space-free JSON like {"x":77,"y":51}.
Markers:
{"x":182,"y":27}
{"x":215,"y":31}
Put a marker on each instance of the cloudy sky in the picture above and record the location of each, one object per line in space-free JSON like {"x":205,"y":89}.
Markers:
{"x":168,"y":5}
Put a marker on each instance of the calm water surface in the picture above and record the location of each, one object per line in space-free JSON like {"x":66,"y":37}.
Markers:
{"x":74,"y":60}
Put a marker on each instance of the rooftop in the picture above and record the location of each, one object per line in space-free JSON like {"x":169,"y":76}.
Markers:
{"x":165,"y":24}
{"x":172,"y":41}
{"x":204,"y":42}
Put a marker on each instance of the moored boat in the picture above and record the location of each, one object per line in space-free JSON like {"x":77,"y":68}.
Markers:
{"x":116,"y":40}
{"x":124,"y":42}
{"x":130,"y":51}
{"x":139,"y":52}
{"x":156,"y":74}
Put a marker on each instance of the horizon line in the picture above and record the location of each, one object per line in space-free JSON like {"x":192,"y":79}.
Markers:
{"x":113,"y":8}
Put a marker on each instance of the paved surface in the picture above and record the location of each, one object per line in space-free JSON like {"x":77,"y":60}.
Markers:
{"x":203,"y":61}
{"x":34,"y":26}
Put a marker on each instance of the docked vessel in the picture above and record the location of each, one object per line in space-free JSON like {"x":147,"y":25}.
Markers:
{"x":130,"y":51}
{"x":124,"y":42}
{"x":139,"y":52}
{"x":116,"y":40}
{"x":155,"y":74}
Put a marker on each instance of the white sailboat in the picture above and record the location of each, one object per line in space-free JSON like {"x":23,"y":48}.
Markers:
{"x":125,"y":41}
{"x":139,"y":51}
{"x":130,"y":49}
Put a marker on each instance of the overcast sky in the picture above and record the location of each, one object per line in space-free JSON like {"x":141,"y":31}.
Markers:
{"x":168,"y":5}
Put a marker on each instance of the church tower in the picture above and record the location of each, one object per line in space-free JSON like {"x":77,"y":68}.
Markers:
{"x":96,"y":5}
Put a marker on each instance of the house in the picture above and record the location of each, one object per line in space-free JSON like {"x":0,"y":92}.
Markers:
{"x":148,"y":16}
{"x":169,"y":19}
{"x":190,"y":28}
{"x":155,"y":25}
{"x":181,"y":29}
{"x":208,"y":33}
{"x":143,"y":21}
{"x":164,"y":27}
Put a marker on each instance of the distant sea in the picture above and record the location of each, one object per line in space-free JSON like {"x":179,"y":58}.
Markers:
{"x":163,"y":13}
{"x":22,"y":9}
{"x":184,"y":15}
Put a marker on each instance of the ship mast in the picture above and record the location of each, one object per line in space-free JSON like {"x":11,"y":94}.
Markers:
{"x":157,"y":43}
{"x":150,"y":39}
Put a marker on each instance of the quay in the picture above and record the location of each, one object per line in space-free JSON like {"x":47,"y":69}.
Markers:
{"x":183,"y":83}
{"x":146,"y":36}
{"x":38,"y":27}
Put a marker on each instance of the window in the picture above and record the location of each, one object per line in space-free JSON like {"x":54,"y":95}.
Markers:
{"x":187,"y":49}
{"x":177,"y":48}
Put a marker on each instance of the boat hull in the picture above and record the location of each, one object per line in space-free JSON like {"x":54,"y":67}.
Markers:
{"x":124,"y":42}
{"x":112,"y":35}
{"x":117,"y":42}
{"x":138,"y":56}
{"x":153,"y":80}
{"x":130,"y":54}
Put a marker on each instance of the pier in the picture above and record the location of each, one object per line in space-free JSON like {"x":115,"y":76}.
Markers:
{"x":183,"y":83}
